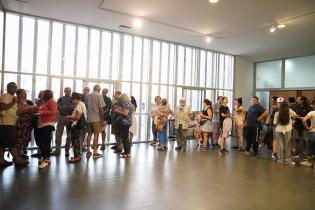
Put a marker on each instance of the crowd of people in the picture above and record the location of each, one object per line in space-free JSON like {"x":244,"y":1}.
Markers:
{"x":86,"y":115}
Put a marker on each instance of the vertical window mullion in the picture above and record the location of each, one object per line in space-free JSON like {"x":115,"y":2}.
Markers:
{"x":141,"y":83}
{"x":19,"y":58}
{"x":111,"y":56}
{"x":99,"y":56}
{"x":75,"y":56}
{"x":88,"y":54}
{"x":35,"y":58}
{"x":49,"y":54}
{"x":63,"y":57}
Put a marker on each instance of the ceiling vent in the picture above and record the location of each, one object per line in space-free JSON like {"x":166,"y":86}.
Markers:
{"x":124,"y":27}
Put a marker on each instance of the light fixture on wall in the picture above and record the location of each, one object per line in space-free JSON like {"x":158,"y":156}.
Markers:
{"x":208,"y":39}
{"x":281,"y":26}
{"x":137,"y":23}
{"x":213,"y":1}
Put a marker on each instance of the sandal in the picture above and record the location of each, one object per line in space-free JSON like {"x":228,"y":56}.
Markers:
{"x":124,"y":155}
{"x":196,"y":146}
{"x":204,"y":149}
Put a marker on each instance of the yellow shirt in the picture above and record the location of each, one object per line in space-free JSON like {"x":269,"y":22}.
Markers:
{"x":8,"y":117}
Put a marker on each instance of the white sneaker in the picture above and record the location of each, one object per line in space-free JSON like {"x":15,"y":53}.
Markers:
{"x":43,"y":164}
{"x":290,"y":162}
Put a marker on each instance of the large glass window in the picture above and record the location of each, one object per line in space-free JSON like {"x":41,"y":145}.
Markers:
{"x":82,"y":51}
{"x":137,"y":59}
{"x":299,"y":72}
{"x":126,"y":71}
{"x":11,"y":42}
{"x":56,"y":48}
{"x":47,"y":54}
{"x":42,"y":46}
{"x":94,"y":53}
{"x":69,"y":50}
{"x":268,"y":74}
{"x":115,"y":57}
{"x":106,"y":56}
{"x":164,"y":62}
{"x":27,"y":44}
{"x":1,"y":38}
{"x":180,"y":65}
{"x":156,"y":61}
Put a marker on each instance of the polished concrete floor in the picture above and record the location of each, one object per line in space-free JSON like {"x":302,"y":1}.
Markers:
{"x":159,"y":180}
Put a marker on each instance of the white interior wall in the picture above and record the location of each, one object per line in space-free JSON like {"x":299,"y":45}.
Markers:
{"x":244,"y":79}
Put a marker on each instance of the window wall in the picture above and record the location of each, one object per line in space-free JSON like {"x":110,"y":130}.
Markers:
{"x":44,"y":54}
{"x":285,"y":74}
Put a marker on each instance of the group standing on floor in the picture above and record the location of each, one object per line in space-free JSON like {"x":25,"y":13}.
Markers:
{"x":86,"y":116}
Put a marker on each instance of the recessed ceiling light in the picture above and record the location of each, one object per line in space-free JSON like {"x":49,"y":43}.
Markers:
{"x":137,"y":23}
{"x":281,"y":26}
{"x":272,"y":29}
{"x":208,"y":39}
{"x":213,"y":1}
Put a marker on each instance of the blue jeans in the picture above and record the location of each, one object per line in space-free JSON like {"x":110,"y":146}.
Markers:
{"x":163,"y":135}
{"x":311,"y":144}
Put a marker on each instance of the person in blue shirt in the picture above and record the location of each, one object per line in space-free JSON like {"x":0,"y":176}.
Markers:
{"x":255,"y":114}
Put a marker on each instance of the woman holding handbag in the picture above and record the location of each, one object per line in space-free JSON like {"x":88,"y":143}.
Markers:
{"x":78,"y":123}
{"x":162,"y":125}
{"x":205,"y":121}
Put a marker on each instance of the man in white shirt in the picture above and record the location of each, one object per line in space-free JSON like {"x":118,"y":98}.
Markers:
{"x":8,"y":109}
{"x":311,"y":143}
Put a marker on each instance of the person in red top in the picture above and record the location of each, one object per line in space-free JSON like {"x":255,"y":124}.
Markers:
{"x":46,"y":126}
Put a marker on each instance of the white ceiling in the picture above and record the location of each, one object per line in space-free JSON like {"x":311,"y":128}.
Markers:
{"x":242,"y":26}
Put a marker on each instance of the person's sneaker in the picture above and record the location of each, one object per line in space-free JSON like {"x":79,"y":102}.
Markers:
{"x":160,"y":148}
{"x":153,"y":143}
{"x":5,"y":164}
{"x":20,"y":162}
{"x":88,"y":154}
{"x":97,"y":155}
{"x":74,"y":159}
{"x":254,"y":156}
{"x":247,"y":153}
{"x":290,"y":162}
{"x":178,"y":148}
{"x":118,"y":151}
{"x":125,"y":155}
{"x":114,"y":147}
{"x":43,"y":164}
{"x":36,"y":155}
{"x":67,"y":154}
{"x":274,"y":156}
{"x":102,"y":147}
{"x":306,"y":163}
{"x":225,"y":150}
{"x":55,"y":152}
{"x":221,"y":152}
{"x":25,"y":157}
{"x":216,"y":145}
{"x":212,"y":146}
